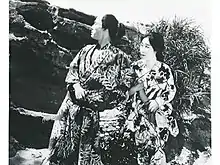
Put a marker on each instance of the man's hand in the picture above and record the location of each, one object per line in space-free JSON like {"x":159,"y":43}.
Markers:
{"x":79,"y":91}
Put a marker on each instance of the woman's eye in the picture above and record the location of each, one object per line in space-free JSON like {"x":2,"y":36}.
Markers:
{"x":144,"y":45}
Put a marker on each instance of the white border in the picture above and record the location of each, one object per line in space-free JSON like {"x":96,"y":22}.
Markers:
{"x":4,"y":94}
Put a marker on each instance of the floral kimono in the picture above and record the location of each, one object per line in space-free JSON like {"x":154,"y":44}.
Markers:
{"x":75,"y":138}
{"x":152,"y":129}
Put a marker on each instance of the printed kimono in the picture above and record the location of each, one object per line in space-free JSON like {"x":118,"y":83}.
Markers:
{"x":151,"y":129}
{"x":75,"y":138}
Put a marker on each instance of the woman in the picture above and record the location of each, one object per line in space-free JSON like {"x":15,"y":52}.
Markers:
{"x":95,"y":82}
{"x":150,"y":112}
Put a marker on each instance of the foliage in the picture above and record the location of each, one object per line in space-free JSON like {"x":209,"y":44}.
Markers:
{"x":188,"y":55}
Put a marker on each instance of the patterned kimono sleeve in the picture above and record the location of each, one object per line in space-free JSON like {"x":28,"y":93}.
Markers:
{"x":71,"y":78}
{"x":169,"y":91}
{"x":125,"y":80}
{"x":118,"y":75}
{"x":127,"y":75}
{"x":72,"y":75}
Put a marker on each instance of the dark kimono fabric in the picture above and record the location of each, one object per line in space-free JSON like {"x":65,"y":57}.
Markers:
{"x":75,"y":137}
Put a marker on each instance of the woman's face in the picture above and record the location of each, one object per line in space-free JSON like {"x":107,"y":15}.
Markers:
{"x":97,"y":30}
{"x":146,"y":50}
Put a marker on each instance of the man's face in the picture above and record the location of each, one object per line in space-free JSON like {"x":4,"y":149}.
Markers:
{"x":97,"y":30}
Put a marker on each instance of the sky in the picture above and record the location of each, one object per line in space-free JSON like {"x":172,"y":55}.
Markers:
{"x":146,"y":11}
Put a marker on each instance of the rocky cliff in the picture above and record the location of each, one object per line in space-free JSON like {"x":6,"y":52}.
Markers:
{"x":43,"y":40}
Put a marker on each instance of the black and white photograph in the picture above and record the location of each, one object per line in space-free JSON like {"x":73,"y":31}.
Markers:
{"x":109,"y":82}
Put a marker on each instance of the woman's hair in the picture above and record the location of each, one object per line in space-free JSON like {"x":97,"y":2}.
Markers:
{"x":116,"y":29}
{"x":157,"y":42}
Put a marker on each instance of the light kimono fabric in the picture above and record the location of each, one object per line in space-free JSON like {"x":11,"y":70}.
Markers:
{"x":152,"y":129}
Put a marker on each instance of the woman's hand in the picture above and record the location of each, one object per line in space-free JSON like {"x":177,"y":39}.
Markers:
{"x":153,"y":105}
{"x":136,"y":88}
{"x":130,"y":125}
{"x":79,"y":91}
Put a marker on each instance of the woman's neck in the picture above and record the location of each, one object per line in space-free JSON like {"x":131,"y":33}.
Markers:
{"x":149,"y":62}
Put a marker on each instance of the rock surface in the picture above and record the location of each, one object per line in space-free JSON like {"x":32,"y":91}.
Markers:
{"x":43,"y":39}
{"x":29,"y":156}
{"x":32,"y":156}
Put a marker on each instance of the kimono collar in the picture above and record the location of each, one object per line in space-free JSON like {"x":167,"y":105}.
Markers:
{"x":137,"y":65}
{"x":106,"y":46}
{"x":140,"y":64}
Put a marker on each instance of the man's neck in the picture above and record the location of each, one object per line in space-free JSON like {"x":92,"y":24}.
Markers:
{"x":104,"y":42}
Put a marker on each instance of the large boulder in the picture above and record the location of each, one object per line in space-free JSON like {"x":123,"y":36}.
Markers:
{"x":37,"y":15}
{"x":72,"y":14}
